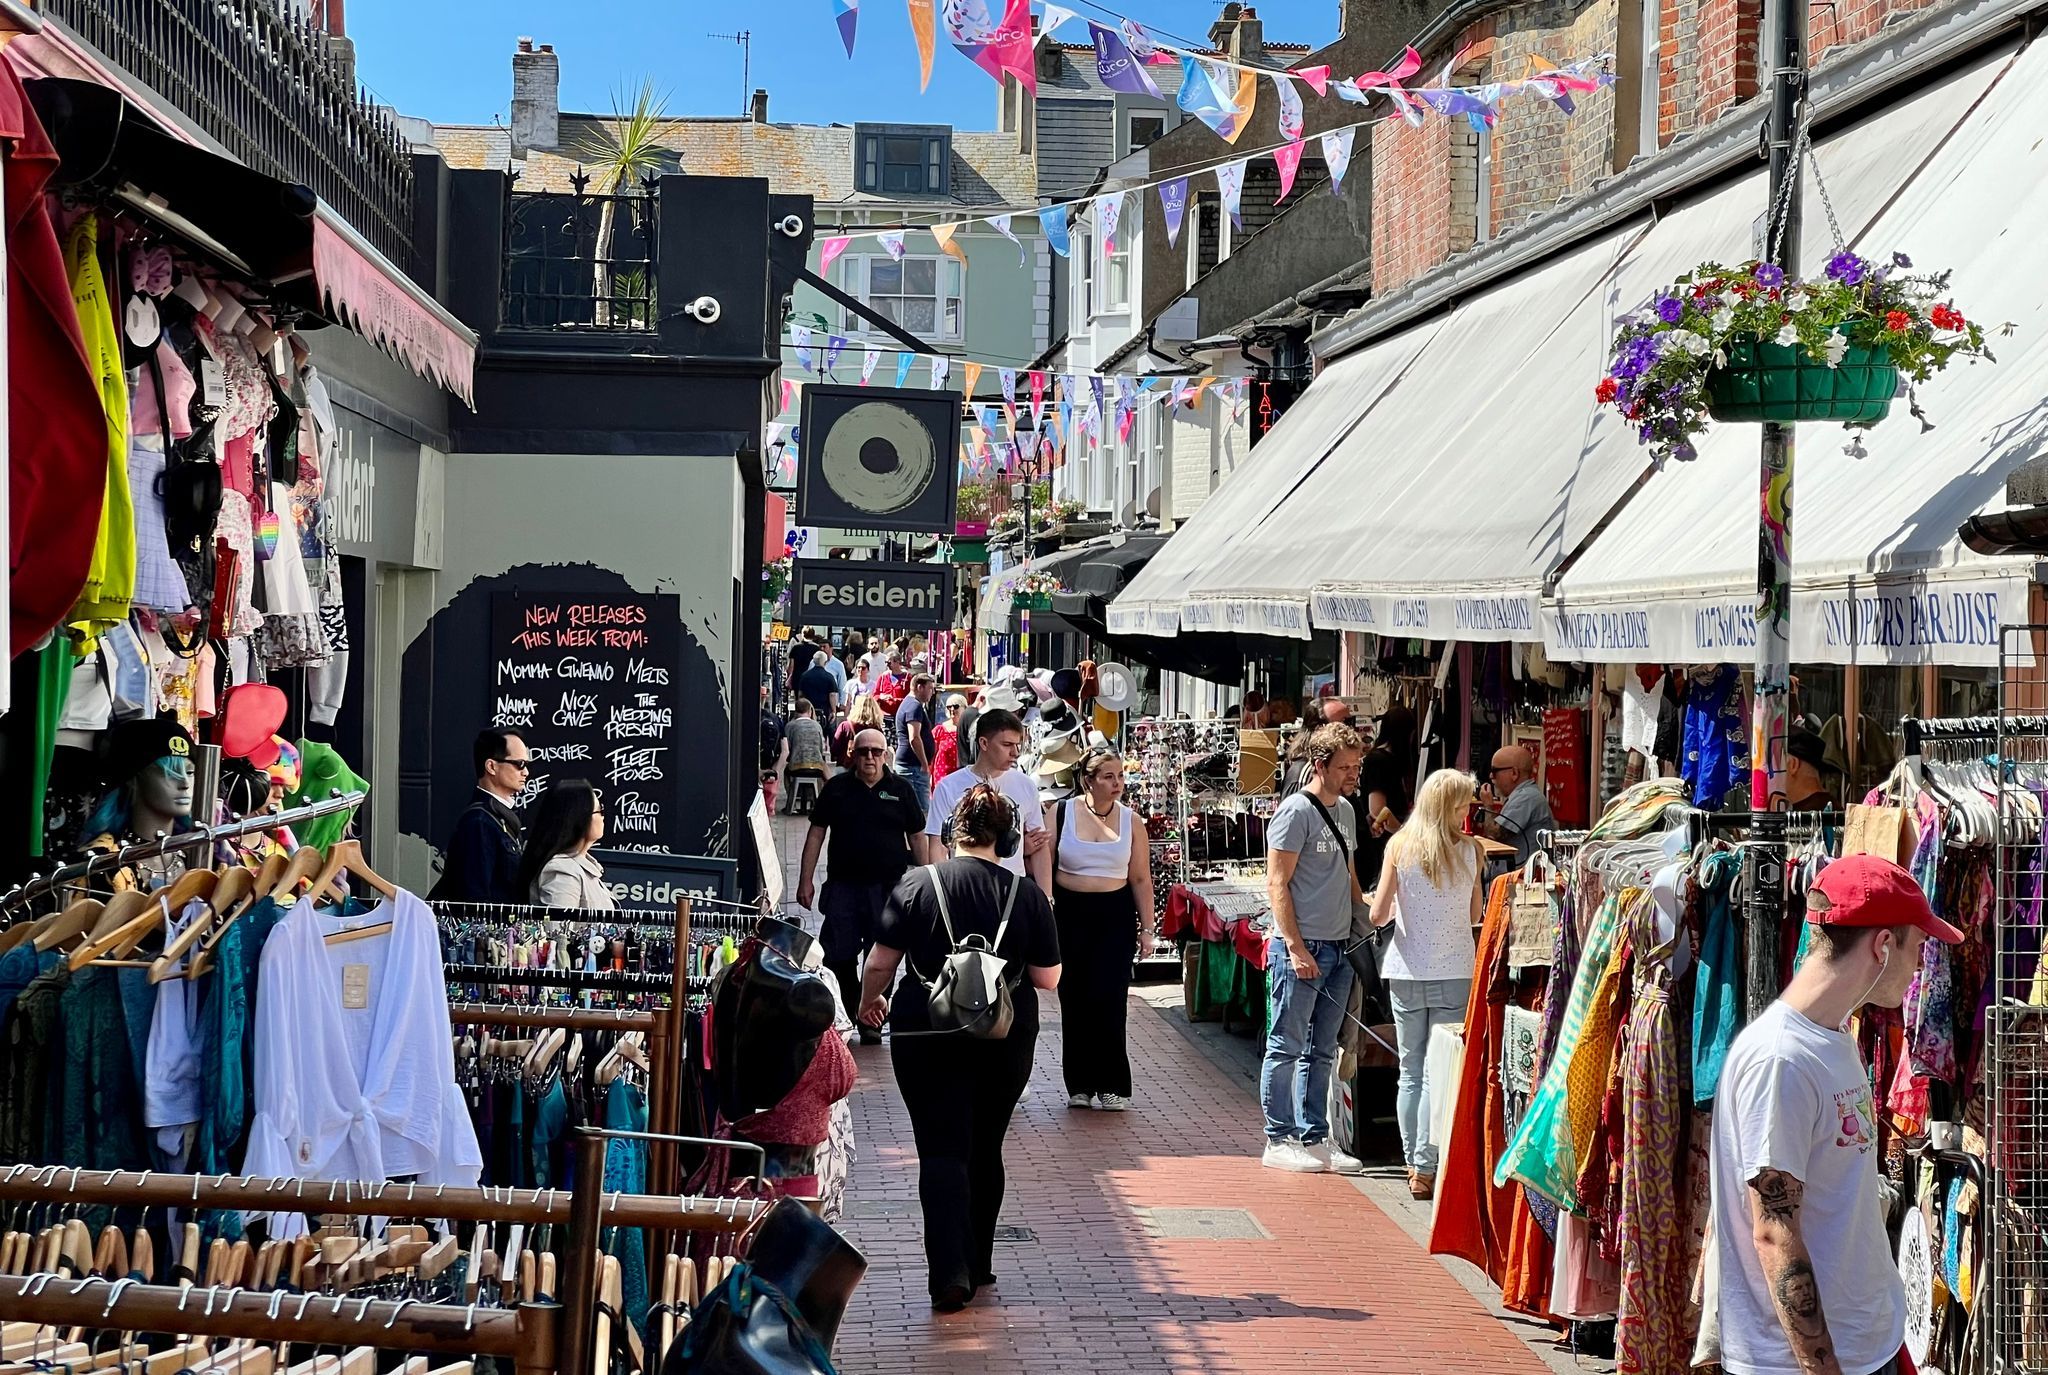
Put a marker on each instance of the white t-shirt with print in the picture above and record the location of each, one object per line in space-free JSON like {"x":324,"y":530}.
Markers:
{"x":1012,"y":783}
{"x":1795,"y":1097}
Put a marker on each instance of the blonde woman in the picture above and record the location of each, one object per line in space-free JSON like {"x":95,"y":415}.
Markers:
{"x":866,"y":714}
{"x":1429,"y":891}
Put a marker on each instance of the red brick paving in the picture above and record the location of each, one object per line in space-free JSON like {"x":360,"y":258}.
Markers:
{"x":1338,"y":1288}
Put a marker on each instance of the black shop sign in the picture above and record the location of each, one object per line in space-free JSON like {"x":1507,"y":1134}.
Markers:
{"x":871,"y":593}
{"x":590,"y":682}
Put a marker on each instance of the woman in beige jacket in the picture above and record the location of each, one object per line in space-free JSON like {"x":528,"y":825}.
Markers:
{"x":556,"y":869}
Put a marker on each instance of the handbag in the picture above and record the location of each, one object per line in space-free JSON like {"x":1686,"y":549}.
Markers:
{"x":747,"y":1326}
{"x":970,"y":994}
{"x":1532,"y":931}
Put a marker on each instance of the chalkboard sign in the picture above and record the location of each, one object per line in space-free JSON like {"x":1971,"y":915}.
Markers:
{"x":591,"y":684}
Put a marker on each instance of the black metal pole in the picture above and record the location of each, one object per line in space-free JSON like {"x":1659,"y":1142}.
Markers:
{"x":1770,"y":714}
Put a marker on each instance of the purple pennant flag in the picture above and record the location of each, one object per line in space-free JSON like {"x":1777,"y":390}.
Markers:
{"x":1230,"y":181}
{"x":848,"y":14}
{"x":1095,"y":386}
{"x":835,"y":344}
{"x":1337,"y":156}
{"x":1119,"y":69}
{"x":1173,"y":199}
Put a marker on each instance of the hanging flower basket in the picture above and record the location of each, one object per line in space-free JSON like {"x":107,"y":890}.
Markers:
{"x":1768,"y":381}
{"x":1031,"y":601}
{"x":1745,"y":344}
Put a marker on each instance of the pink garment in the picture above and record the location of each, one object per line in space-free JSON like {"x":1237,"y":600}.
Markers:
{"x":179,"y":389}
{"x":1584,"y":1285}
{"x":237,"y":527}
{"x":804,"y":1116}
{"x":238,"y":465}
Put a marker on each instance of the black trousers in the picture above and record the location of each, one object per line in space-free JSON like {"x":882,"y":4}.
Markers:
{"x":851,"y":911}
{"x":1098,"y":944}
{"x":961,"y":1093}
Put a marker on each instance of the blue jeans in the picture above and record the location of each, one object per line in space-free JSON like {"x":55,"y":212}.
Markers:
{"x":1301,"y":1042}
{"x":920,"y":785}
{"x":1420,"y":1006}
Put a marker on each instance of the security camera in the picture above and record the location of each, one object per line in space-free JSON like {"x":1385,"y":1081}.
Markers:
{"x":704,"y":310}
{"x":791,"y":225}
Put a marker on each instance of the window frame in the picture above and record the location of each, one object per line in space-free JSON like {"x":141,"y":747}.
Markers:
{"x":856,"y":279}
{"x":872,"y":164}
{"x":1106,"y":265}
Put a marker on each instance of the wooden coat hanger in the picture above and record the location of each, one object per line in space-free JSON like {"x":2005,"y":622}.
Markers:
{"x":128,"y":915}
{"x":301,"y":867}
{"x":68,"y":925}
{"x":348,"y":854}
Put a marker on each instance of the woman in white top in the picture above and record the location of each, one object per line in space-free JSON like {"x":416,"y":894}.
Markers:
{"x":555,"y":869}
{"x":1102,"y":904}
{"x":1430,"y":890}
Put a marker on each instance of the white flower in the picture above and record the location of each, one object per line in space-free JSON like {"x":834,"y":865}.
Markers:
{"x":1797,"y":301}
{"x":1836,"y":347}
{"x":1722,"y":320}
{"x":1720,"y":358}
{"x":1788,"y":336}
{"x":1686,"y":341}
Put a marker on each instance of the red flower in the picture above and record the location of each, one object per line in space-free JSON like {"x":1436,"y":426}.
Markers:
{"x":1897,"y":321}
{"x":1607,"y":390}
{"x":1948,"y":317}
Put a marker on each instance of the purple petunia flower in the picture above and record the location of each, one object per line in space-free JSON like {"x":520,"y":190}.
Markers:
{"x":1670,"y":309}
{"x":1770,"y":274}
{"x":1685,"y":452}
{"x":1901,"y":260}
{"x":1848,"y":269}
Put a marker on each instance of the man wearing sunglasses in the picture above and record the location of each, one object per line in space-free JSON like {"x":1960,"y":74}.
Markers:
{"x":869,"y":813}
{"x":482,"y":863}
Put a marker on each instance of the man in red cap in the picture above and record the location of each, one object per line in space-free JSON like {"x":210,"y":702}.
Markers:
{"x":1804,"y":1270}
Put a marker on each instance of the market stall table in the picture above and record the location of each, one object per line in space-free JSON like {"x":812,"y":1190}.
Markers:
{"x":1223,"y":927}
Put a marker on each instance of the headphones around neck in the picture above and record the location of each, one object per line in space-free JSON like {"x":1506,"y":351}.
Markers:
{"x":1012,"y":838}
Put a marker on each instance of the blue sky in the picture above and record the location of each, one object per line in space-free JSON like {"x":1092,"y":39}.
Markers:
{"x":451,"y":60}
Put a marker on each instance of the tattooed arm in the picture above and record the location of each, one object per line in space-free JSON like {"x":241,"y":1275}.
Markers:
{"x":1774,"y":1202}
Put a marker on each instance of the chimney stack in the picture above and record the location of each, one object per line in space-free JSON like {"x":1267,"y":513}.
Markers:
{"x":1238,"y":33}
{"x":760,"y":110}
{"x":536,"y":98}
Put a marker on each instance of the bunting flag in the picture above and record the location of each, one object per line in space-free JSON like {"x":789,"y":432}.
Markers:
{"x":1053,"y":220}
{"x":800,"y":335}
{"x":867,"y":365}
{"x":1009,"y":379}
{"x":1109,"y":212}
{"x":944,"y":234}
{"x":1037,"y":380}
{"x":1173,"y":199}
{"x":1230,"y":181}
{"x":772,"y":436}
{"x":1318,"y":78}
{"x":1288,"y":160}
{"x":1389,"y":81}
{"x":848,"y":14}
{"x":1095,"y":388}
{"x":788,"y":395}
{"x":1347,"y":89}
{"x":1054,"y":16}
{"x":903,"y":362}
{"x":835,"y":344}
{"x":988,"y":418}
{"x":1141,"y":45}
{"x":1291,"y":123}
{"x":940,"y":367}
{"x":970,"y":377}
{"x":892,"y":242}
{"x":922,"y":25}
{"x":1217,"y":97}
{"x":1196,"y":400}
{"x":1002,"y":227}
{"x":1337,"y":156}
{"x":1179,"y":394}
{"x":995,"y":48}
{"x":829,"y":251}
{"x":1114,"y":64}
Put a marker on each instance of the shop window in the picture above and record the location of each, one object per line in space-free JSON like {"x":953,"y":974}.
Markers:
{"x":1966,"y":692}
{"x":922,"y":294}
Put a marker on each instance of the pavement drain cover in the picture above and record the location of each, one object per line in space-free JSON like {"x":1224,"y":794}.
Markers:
{"x":879,"y":1208}
{"x":1005,"y":1232}
{"x":1203,"y":1224}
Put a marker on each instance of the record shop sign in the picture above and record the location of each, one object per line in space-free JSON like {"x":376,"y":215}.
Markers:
{"x":878,"y":458}
{"x":891,"y":596}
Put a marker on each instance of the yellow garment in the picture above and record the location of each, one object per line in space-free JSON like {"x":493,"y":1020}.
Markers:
{"x":1587,"y":1074}
{"x":110,"y":581}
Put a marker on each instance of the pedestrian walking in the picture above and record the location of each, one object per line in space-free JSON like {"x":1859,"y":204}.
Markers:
{"x":555,"y":868}
{"x":1102,"y":905}
{"x":914,"y":743}
{"x":1798,"y":1243}
{"x":1429,"y":892}
{"x":865,"y":714}
{"x":960,"y":1089}
{"x":817,"y":686}
{"x":482,"y":863}
{"x":1311,"y":886}
{"x":946,"y":738}
{"x":868,"y":815}
{"x":1001,"y":737}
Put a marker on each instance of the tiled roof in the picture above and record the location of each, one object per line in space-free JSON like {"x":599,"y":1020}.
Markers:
{"x":803,"y":159}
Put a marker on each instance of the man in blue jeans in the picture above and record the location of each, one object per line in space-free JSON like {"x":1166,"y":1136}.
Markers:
{"x":1311,"y":885}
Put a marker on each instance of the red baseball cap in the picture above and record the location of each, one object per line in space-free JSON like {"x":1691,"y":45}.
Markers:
{"x":1867,"y":890}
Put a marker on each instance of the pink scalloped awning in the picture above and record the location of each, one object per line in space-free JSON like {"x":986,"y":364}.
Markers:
{"x":362,"y":290}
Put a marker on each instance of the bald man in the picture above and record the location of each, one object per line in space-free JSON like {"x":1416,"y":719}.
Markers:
{"x":1517,"y":811}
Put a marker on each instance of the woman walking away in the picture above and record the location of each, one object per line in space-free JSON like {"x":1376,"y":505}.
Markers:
{"x":1429,"y":890}
{"x":1102,"y":904}
{"x":555,"y":868}
{"x":960,"y":1088}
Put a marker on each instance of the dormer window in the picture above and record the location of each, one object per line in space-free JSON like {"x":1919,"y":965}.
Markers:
{"x":902,"y":159}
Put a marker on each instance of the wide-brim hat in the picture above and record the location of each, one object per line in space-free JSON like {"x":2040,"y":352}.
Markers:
{"x":1059,"y":756}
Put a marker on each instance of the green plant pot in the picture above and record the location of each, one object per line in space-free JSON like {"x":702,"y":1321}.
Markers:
{"x":1031,"y":601}
{"x":1783,"y":383}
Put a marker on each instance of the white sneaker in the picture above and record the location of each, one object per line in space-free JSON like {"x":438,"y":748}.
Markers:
{"x":1113,"y":1102}
{"x":1336,"y":1161}
{"x":1291,"y":1156}
{"x":1079,"y":1100}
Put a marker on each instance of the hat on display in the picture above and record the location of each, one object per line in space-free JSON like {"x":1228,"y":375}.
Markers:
{"x":133,"y":746}
{"x":323,"y":773}
{"x":250,"y":715}
{"x":1066,"y":684}
{"x":1059,"y":755}
{"x":285,"y":766}
{"x":1116,"y":687}
{"x":1806,"y":744}
{"x":1868,"y":890}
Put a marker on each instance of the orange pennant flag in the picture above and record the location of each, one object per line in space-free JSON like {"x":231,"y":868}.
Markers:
{"x":970,"y":374}
{"x":1195,"y":401}
{"x":923,"y":26}
{"x":944,"y":234}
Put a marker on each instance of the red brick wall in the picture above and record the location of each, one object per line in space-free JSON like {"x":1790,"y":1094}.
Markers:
{"x":1727,"y":53}
{"x":1852,"y":21}
{"x":1411,"y":200}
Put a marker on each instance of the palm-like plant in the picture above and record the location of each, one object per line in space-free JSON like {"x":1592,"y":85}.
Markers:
{"x":620,"y":155}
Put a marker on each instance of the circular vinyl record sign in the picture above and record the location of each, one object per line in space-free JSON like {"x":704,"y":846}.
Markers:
{"x":877,"y":457}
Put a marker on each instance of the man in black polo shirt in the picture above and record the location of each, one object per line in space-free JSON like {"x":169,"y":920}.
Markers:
{"x":870,"y":814}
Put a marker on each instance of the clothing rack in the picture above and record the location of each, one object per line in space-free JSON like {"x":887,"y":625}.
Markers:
{"x":557,"y":978}
{"x":38,"y":885}
{"x":1917,"y":729}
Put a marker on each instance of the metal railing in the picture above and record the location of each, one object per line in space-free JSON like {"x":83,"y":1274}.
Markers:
{"x":273,"y":90}
{"x":580,"y":260}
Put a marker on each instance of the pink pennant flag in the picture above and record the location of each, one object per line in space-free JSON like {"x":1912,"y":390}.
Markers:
{"x":1037,"y":398}
{"x":788,"y":395}
{"x":829,"y":251}
{"x":995,"y":48}
{"x":1318,"y":78}
{"x":1287,"y":158}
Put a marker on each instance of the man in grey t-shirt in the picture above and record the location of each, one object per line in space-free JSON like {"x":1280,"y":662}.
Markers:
{"x":1521,"y":812}
{"x":1311,"y":885}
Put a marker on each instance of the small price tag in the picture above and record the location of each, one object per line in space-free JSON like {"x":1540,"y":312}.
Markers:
{"x":213,"y":384}
{"x":355,"y":987}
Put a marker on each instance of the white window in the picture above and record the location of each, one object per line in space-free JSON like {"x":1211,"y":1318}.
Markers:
{"x":1482,"y":190}
{"x":1113,"y":270}
{"x":1086,"y":257}
{"x":922,"y":294}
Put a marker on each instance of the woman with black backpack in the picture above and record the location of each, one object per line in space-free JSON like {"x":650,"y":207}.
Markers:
{"x":963,"y":1027}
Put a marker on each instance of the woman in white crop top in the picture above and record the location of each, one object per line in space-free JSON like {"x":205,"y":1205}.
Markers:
{"x":1102,"y":902}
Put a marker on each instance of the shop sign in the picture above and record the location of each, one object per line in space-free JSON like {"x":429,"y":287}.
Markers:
{"x":878,"y":457}
{"x":1479,"y":618}
{"x":649,"y":879}
{"x":372,"y":488}
{"x":1247,"y":616}
{"x":869,"y":592}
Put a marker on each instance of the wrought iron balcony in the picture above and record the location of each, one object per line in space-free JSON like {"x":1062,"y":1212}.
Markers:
{"x":580,"y":260}
{"x":272,"y":90}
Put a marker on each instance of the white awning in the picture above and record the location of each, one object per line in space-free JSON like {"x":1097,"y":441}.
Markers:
{"x":1880,"y":577}
{"x":1488,"y":465}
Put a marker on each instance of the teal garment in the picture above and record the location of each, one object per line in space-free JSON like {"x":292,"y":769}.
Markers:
{"x":1717,"y":979}
{"x":138,"y":1009}
{"x":625,"y":1171}
{"x":17,"y":967}
{"x":101,"y":1097}
{"x":223,"y":1030}
{"x":550,"y":1126}
{"x":32,"y":1039}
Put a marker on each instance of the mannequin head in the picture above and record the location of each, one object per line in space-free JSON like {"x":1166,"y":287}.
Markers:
{"x":148,"y":767}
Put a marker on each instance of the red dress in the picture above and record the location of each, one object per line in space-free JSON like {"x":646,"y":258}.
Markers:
{"x":947,"y":758}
